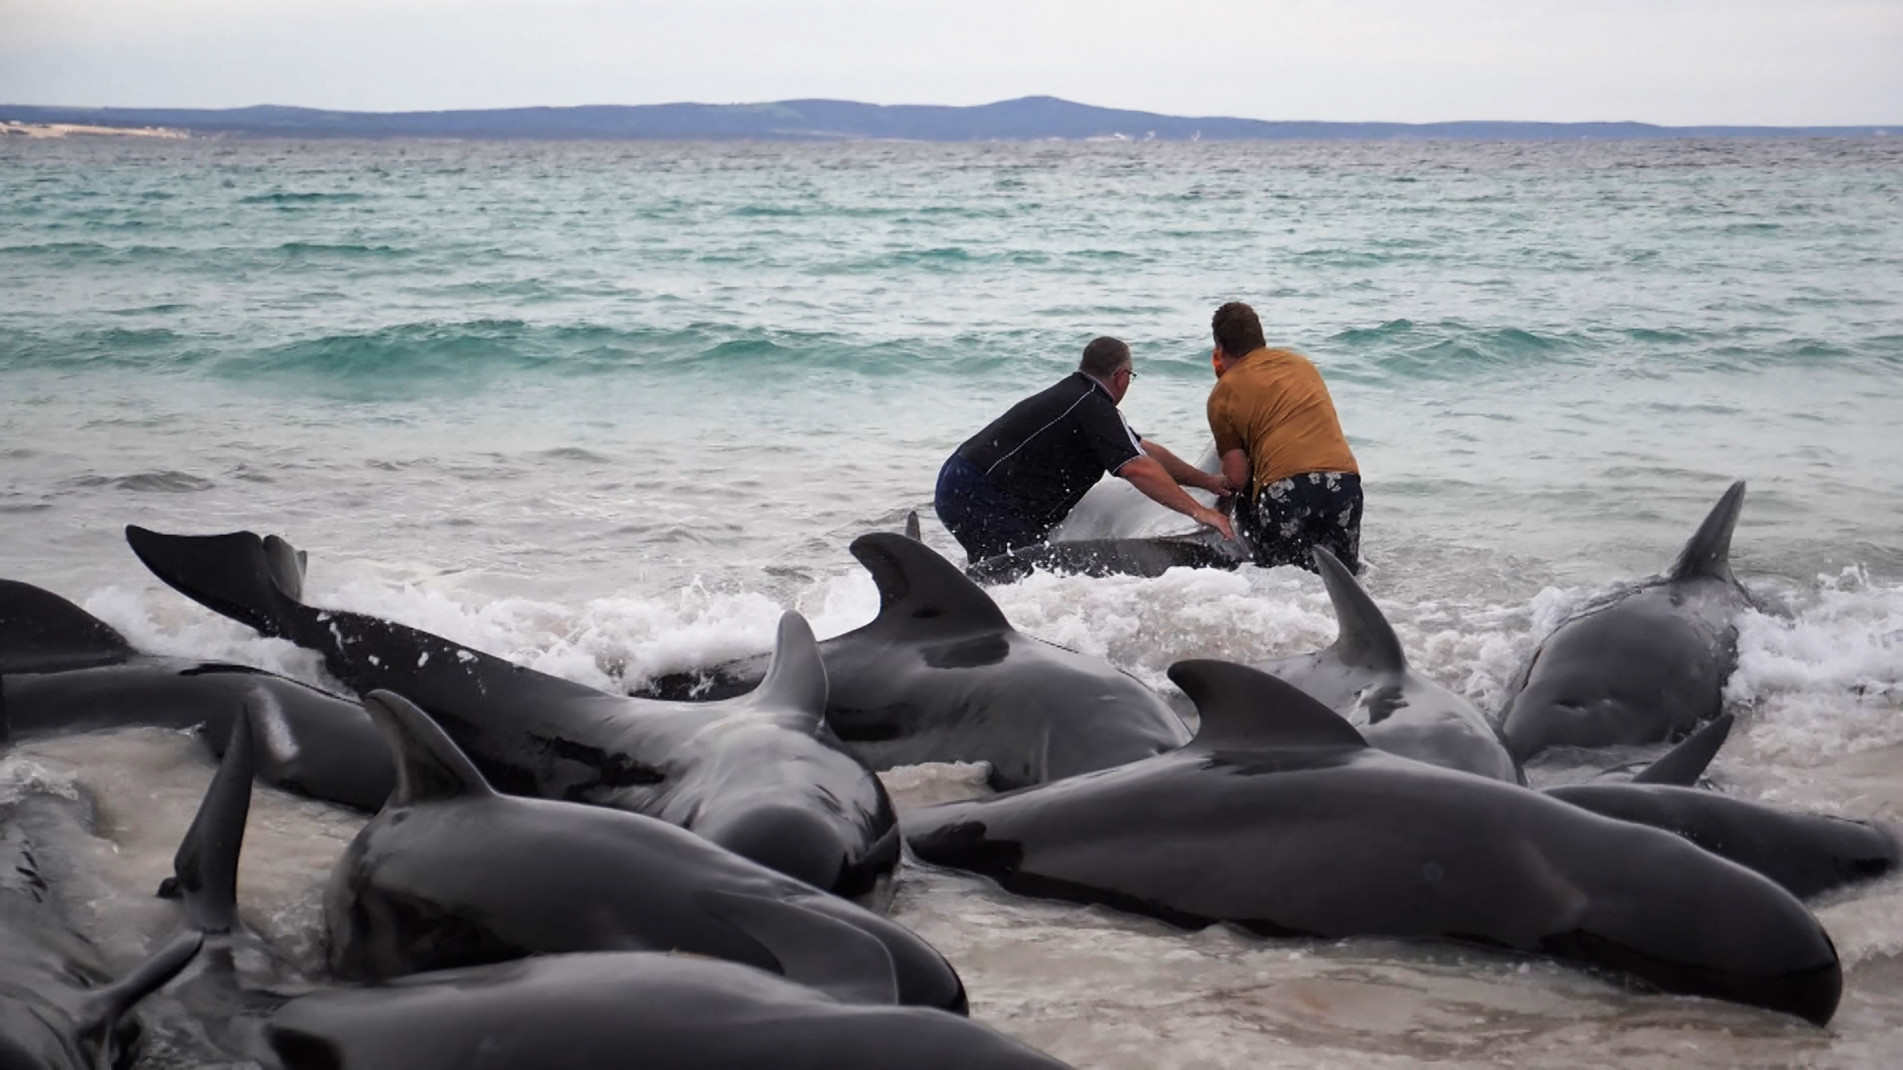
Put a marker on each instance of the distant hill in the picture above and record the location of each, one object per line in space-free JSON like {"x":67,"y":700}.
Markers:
{"x":1025,"y":119}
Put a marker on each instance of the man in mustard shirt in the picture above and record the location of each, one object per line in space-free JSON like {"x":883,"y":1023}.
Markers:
{"x":1278,"y":437}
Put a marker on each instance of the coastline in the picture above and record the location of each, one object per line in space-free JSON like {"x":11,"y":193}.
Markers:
{"x":42,"y":131}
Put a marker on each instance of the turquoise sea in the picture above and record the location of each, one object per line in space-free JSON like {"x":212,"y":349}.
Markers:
{"x":608,"y":408}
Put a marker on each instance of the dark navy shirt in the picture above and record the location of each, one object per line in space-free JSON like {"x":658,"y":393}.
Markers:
{"x":1053,"y":446}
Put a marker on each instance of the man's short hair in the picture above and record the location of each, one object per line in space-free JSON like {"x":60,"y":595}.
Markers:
{"x":1103,"y":356}
{"x":1237,"y":330}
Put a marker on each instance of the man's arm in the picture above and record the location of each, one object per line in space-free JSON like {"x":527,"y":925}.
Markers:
{"x":1146,"y":474}
{"x":1184,"y":473}
{"x":1235,"y":469}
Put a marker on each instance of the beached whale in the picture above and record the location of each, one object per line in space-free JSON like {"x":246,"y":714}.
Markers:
{"x":940,"y":676}
{"x":762,"y":775}
{"x":60,"y":1009}
{"x":1364,"y":676}
{"x":1280,"y":818}
{"x":1148,"y":556}
{"x":453,"y":874}
{"x":64,"y":671}
{"x":1647,"y":663}
{"x":645,"y":1009}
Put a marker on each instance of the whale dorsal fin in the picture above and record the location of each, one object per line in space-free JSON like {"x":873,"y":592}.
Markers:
{"x":1709,"y":551}
{"x":98,"y":1016}
{"x":812,"y":949}
{"x":795,"y":682}
{"x":917,"y":586}
{"x":1366,"y":639}
{"x":1244,"y":707}
{"x":911,"y":527}
{"x":429,"y":765}
{"x":42,"y":632}
{"x":1685,"y":763}
{"x":205,"y":869}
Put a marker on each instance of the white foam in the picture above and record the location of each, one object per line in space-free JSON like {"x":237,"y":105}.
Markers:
{"x":1828,"y":681}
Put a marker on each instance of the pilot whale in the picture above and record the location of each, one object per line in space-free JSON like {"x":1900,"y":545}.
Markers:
{"x":1281,"y":819}
{"x":1364,"y":676}
{"x":762,"y":775}
{"x":656,"y":1011}
{"x":453,"y":874}
{"x":1645,"y":664}
{"x":941,"y":676}
{"x":64,"y":671}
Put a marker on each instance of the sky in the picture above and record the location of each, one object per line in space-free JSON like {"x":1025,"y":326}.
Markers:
{"x":1673,"y":62}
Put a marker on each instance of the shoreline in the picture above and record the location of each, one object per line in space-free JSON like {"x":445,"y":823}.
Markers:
{"x":44,"y":131}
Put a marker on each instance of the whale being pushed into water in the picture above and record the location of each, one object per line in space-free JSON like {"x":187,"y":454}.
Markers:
{"x":1646,"y":664}
{"x":941,"y":676}
{"x":762,"y":775}
{"x":1280,"y":818}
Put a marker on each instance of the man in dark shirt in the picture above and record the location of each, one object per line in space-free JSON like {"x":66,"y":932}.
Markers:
{"x":1011,"y":483}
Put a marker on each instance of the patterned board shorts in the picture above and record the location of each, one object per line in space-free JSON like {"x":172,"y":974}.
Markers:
{"x":1292,"y":515}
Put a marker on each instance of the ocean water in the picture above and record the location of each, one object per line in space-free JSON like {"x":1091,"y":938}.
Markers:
{"x":609,"y":409}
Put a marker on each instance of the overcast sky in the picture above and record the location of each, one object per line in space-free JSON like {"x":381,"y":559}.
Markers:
{"x":1677,"y":62}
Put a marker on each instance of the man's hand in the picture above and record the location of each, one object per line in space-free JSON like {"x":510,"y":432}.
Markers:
{"x":1212,"y":518}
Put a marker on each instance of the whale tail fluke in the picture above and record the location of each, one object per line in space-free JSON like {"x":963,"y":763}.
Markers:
{"x":286,"y":564}
{"x":429,"y":765}
{"x":1685,"y":763}
{"x":1366,"y":640}
{"x":796,"y":680}
{"x":1708,"y":554}
{"x":234,"y":574}
{"x":812,"y":949}
{"x":205,"y":869}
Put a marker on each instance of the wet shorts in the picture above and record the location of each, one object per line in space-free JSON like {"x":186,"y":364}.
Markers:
{"x":983,"y":519}
{"x":1314,"y":508}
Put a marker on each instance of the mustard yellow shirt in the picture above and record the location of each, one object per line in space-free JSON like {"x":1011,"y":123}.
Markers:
{"x":1273,"y":406}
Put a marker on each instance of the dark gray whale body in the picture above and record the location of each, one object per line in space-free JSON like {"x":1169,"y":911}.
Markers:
{"x":762,"y":775}
{"x":59,"y":1007}
{"x":613,"y":1011}
{"x":63,"y":671}
{"x":940,"y":676}
{"x":1648,"y":664}
{"x":452,"y":874}
{"x":1364,"y":676}
{"x":1281,"y":819}
{"x":1807,"y":854}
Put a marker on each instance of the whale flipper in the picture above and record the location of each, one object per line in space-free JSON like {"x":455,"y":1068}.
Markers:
{"x":1708,"y":554}
{"x":811,"y":948}
{"x":919,"y":588}
{"x":1245,"y":707}
{"x":42,"y":632}
{"x":98,"y":1016}
{"x":429,"y":765}
{"x":233,"y":574}
{"x":205,"y":869}
{"x":796,"y":680}
{"x":1366,"y":639}
{"x":1685,"y":763}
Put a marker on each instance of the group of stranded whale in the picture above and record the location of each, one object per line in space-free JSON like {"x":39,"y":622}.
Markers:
{"x":559,"y":876}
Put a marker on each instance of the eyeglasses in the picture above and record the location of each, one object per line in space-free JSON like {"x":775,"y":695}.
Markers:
{"x":1129,"y":373}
